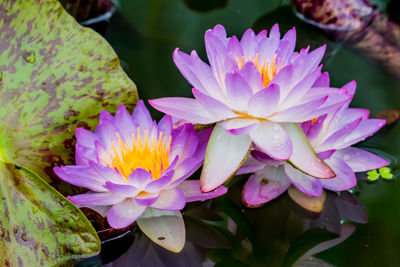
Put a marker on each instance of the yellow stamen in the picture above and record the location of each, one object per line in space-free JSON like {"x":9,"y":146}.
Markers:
{"x":151,"y":155}
{"x":267,"y":70}
{"x":314,"y":120}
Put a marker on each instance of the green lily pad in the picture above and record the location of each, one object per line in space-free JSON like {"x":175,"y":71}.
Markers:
{"x":32,"y":215}
{"x":55,"y":76}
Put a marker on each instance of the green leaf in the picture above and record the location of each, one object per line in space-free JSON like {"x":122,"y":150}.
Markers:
{"x":373,"y":175}
{"x":39,"y":225}
{"x":55,"y":76}
{"x":165,"y":228}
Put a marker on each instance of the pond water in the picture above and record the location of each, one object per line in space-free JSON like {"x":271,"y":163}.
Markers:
{"x":145,"y":33}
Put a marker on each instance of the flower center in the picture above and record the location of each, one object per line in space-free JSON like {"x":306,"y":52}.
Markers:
{"x":267,"y":70}
{"x":150,"y":154}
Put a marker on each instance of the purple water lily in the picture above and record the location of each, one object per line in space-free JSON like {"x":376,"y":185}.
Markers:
{"x":130,"y":165}
{"x":256,"y":90}
{"x":331,"y":136}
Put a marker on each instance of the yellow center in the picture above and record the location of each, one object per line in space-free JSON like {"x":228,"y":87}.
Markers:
{"x":267,"y":70}
{"x":150,"y":154}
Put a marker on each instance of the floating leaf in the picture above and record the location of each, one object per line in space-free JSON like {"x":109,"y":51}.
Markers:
{"x":385,"y":172}
{"x":373,"y":175}
{"x":56,"y":76}
{"x":39,"y":225}
{"x":165,"y":228}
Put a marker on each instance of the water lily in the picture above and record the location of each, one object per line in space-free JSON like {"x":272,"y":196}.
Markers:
{"x":331,"y":136}
{"x":256,"y":90}
{"x":136,"y":169}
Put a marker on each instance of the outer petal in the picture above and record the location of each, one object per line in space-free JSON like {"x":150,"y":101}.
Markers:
{"x":184,"y":170}
{"x":264,"y":186}
{"x":344,"y":179}
{"x":122,"y":189}
{"x":273,"y":140}
{"x":184,"y":108}
{"x":86,"y":138}
{"x":160,"y":183}
{"x":303,"y":156}
{"x":192,"y":191}
{"x":225,"y":153}
{"x":165,"y":228}
{"x":360,"y":160}
{"x":124,"y":213}
{"x":82,"y":176}
{"x":250,"y":166}
{"x":303,"y":182}
{"x":96,"y":199}
{"x":365,"y":128}
{"x":212,"y":106}
{"x":171,"y":199}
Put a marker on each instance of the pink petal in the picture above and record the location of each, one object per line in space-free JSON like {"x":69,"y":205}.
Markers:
{"x":273,"y":140}
{"x":183,"y":108}
{"x":121,"y":189}
{"x":264,"y":186}
{"x":303,"y":182}
{"x":212,"y":106}
{"x":82,"y":176}
{"x":239,"y":126}
{"x":96,"y":199}
{"x":360,"y":160}
{"x":160,"y":183}
{"x":192,"y":191}
{"x":304,"y":156}
{"x":123,"y":214}
{"x":238,"y":91}
{"x":264,"y":102}
{"x":249,"y":45}
{"x":251,"y":165}
{"x":171,"y":199}
{"x":253,"y":77}
{"x":165,"y":126}
{"x":344,"y":179}
{"x":365,"y":129}
{"x":141,"y":116}
{"x":139,"y":178}
{"x":225,"y":153}
{"x":184,"y":170}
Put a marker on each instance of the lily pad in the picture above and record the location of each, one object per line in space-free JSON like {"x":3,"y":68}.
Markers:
{"x":31,"y":216}
{"x":55,"y":76}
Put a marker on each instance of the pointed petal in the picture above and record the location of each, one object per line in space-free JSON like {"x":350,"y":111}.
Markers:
{"x":184,"y":170}
{"x":165,"y":125}
{"x":365,"y":129}
{"x":212,"y":106}
{"x":264,"y":102}
{"x":272,"y":139}
{"x":360,"y":160}
{"x":141,"y":116}
{"x":139,"y":178}
{"x":82,"y":176}
{"x":253,"y":77}
{"x":191,"y":189}
{"x":238,"y":91}
{"x":160,"y":183}
{"x":125,"y":213}
{"x":171,"y":199}
{"x":96,"y":199}
{"x":121,"y":189}
{"x":264,"y":186}
{"x":183,"y":108}
{"x":303,"y":156}
{"x":225,"y":153}
{"x":165,"y":228}
{"x":344,"y":179}
{"x":303,"y":182}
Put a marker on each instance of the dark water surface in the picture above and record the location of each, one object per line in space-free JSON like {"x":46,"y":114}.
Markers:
{"x":144,"y":35}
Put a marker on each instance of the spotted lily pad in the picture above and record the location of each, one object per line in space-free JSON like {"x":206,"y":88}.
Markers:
{"x":55,"y":76}
{"x":32,"y":215}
